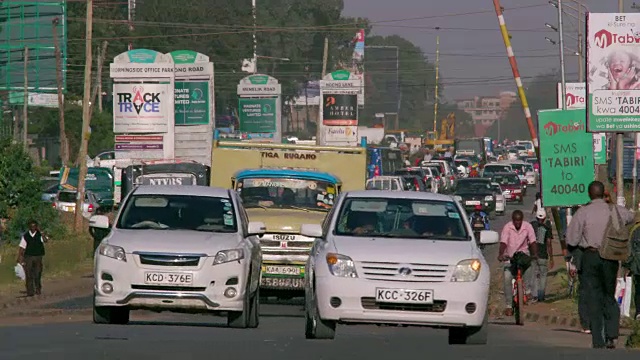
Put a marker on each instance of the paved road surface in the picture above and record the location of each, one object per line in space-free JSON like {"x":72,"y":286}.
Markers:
{"x":71,"y":335}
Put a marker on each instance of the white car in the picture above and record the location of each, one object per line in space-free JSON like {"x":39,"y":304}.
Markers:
{"x":387,"y":258}
{"x":501,"y":201}
{"x":181,"y":249}
{"x":66,"y":202}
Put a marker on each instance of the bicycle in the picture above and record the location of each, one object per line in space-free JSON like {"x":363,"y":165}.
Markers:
{"x":519,"y":295}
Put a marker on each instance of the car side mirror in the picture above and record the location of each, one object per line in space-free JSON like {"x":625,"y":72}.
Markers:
{"x":99,"y":222}
{"x":311,"y":230}
{"x":256,"y":228}
{"x":488,"y":237}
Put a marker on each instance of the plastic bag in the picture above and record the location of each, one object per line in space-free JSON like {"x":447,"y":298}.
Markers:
{"x":19,"y":270}
{"x":623,"y":295}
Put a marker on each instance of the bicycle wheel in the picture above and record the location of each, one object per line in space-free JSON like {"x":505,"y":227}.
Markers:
{"x":519,"y":308}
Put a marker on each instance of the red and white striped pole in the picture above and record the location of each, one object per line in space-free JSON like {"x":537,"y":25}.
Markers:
{"x":516,"y":75}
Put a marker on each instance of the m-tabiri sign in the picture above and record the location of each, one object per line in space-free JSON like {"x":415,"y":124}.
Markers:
{"x":576,"y":94}
{"x":613,"y":59}
{"x":257,"y":115}
{"x":191,"y":101}
{"x":566,"y":157}
{"x":140,"y":108}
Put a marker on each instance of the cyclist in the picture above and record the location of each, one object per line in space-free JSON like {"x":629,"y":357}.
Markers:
{"x":518,"y":246}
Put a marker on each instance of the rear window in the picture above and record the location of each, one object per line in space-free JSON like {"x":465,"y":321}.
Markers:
{"x":506,"y":179}
{"x":497,"y":168}
{"x":67,"y":197}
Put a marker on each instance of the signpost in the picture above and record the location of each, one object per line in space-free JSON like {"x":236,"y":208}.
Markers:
{"x":191,"y":102}
{"x":576,"y":98}
{"x":566,"y":157}
{"x":259,"y":108}
{"x":339,"y":92}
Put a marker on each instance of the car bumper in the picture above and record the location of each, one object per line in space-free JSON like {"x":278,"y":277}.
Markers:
{"x":531,"y":181}
{"x":500,"y":206}
{"x":513,"y":197}
{"x":205,"y":293}
{"x":487,"y":206}
{"x":357,"y":303}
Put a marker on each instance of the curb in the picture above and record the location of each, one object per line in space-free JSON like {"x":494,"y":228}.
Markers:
{"x":572,"y":322}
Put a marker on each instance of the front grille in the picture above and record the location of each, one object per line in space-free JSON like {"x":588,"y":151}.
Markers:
{"x":167,"y":288}
{"x":369,"y":303}
{"x":286,"y":252}
{"x":169,"y":259}
{"x":296,"y":244}
{"x":389,"y":271}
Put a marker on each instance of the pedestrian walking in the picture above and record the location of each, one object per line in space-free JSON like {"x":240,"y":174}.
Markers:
{"x":632,"y":265}
{"x":30,"y":254}
{"x":595,"y":230}
{"x":544,"y":237}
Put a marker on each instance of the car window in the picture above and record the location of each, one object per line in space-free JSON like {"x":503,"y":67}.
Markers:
{"x":473,"y":186}
{"x":496,"y":188}
{"x":66,"y":196}
{"x":518,"y":167}
{"x":178,"y":212}
{"x":510,"y":179}
{"x":402,"y":218}
{"x":286,"y":193}
{"x":496,"y":168}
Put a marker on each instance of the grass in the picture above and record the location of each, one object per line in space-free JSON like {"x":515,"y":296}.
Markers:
{"x":64,"y":258}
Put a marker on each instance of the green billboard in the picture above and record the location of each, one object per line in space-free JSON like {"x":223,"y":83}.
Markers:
{"x":257,"y":115}
{"x":191,"y":100}
{"x":566,"y":157}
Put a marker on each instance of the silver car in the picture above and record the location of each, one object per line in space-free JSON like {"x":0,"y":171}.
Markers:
{"x":66,"y":202}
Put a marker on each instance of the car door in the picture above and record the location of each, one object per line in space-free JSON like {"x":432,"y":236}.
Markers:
{"x":251,"y":243}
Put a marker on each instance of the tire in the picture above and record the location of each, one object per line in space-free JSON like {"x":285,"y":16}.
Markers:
{"x":110,"y":315}
{"x":315,"y":327}
{"x":240,"y":319}
{"x":476,"y":335}
{"x":518,"y":310}
{"x":254,"y":310}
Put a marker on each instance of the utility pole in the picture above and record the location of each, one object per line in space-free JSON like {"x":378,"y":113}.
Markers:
{"x":563,"y":78}
{"x":64,"y":145}
{"x":86,"y":117}
{"x":435,"y":105}
{"x":25,"y":108}
{"x":96,"y":93}
{"x":620,"y":149}
{"x":254,"y":13}
{"x":325,"y":60}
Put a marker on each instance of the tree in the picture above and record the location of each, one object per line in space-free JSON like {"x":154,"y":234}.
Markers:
{"x":417,"y":83}
{"x":541,"y":94}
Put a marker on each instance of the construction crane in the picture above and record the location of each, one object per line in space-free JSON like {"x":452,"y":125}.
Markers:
{"x":444,"y":139}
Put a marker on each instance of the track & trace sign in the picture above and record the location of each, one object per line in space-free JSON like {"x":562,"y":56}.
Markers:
{"x":613,"y":68}
{"x":566,"y":157}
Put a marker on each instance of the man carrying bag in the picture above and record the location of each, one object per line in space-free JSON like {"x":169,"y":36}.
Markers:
{"x":600,"y":231}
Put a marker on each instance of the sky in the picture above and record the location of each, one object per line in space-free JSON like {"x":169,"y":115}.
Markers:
{"x":473,"y":59}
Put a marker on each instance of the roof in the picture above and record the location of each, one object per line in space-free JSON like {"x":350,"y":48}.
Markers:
{"x":287,"y":173}
{"x":385,"y":194}
{"x":181,"y":190}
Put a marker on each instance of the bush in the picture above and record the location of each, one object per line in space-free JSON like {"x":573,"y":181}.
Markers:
{"x":20,"y":194}
{"x":633,"y":341}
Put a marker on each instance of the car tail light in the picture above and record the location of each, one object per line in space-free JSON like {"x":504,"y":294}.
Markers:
{"x":90,"y":208}
{"x":54,"y":205}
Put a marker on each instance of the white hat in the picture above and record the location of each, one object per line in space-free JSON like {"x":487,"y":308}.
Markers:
{"x":541,"y":214}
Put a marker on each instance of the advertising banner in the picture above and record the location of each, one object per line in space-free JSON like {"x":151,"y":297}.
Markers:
{"x":613,"y":68}
{"x":576,"y":99}
{"x":257,"y":115}
{"x":341,"y":133}
{"x":566,"y":157}
{"x":191,"y":101}
{"x":340,"y":110}
{"x":140,"y":108}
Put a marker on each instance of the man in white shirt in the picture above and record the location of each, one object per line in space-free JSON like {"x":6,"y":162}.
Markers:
{"x":30,"y":256}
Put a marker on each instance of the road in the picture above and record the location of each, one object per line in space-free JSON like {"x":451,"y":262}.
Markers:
{"x":64,"y":330}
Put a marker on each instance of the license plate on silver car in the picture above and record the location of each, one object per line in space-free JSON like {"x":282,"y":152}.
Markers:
{"x":164,"y":278}
{"x":404,"y":296}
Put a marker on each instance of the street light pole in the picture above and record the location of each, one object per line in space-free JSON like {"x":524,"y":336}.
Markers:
{"x":255,"y":41}
{"x":580,"y":56}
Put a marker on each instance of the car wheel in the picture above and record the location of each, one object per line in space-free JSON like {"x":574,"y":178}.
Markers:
{"x":110,"y":315}
{"x":476,"y":335}
{"x":254,"y":310}
{"x":315,"y":327}
{"x":240,"y":319}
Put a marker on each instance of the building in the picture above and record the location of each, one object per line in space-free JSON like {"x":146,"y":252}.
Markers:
{"x":485,"y":111}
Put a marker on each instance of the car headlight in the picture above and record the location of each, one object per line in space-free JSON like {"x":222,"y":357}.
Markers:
{"x":225,"y":256}
{"x":114,"y":252}
{"x":342,"y":266}
{"x":488,"y":198}
{"x":458,"y":198}
{"x":467,"y":271}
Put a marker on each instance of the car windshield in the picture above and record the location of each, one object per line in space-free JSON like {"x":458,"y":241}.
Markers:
{"x":496,"y":188}
{"x":405,"y":172}
{"x":519,"y":168}
{"x":496,"y":168}
{"x":401,"y":218}
{"x":464,"y":163}
{"x":287,"y":193}
{"x":66,"y":196}
{"x":178,"y":212}
{"x":510,"y":179}
{"x":528,"y":167}
{"x":472,"y":186}
{"x":435,"y":171}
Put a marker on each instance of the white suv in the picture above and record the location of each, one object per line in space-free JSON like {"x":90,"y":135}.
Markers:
{"x":182,"y":249}
{"x":385,"y":258}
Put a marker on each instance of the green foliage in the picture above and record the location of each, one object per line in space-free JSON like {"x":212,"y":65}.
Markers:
{"x":633,"y":340}
{"x":20,"y":191}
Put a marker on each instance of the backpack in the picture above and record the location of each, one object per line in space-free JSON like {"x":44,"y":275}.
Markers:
{"x":541,"y":231}
{"x":615,"y":245}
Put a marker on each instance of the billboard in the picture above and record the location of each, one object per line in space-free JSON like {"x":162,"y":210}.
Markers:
{"x":613,"y":69}
{"x":566,"y":157}
{"x":191,"y":101}
{"x":141,"y":108}
{"x":340,"y":109}
{"x":257,"y":115}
